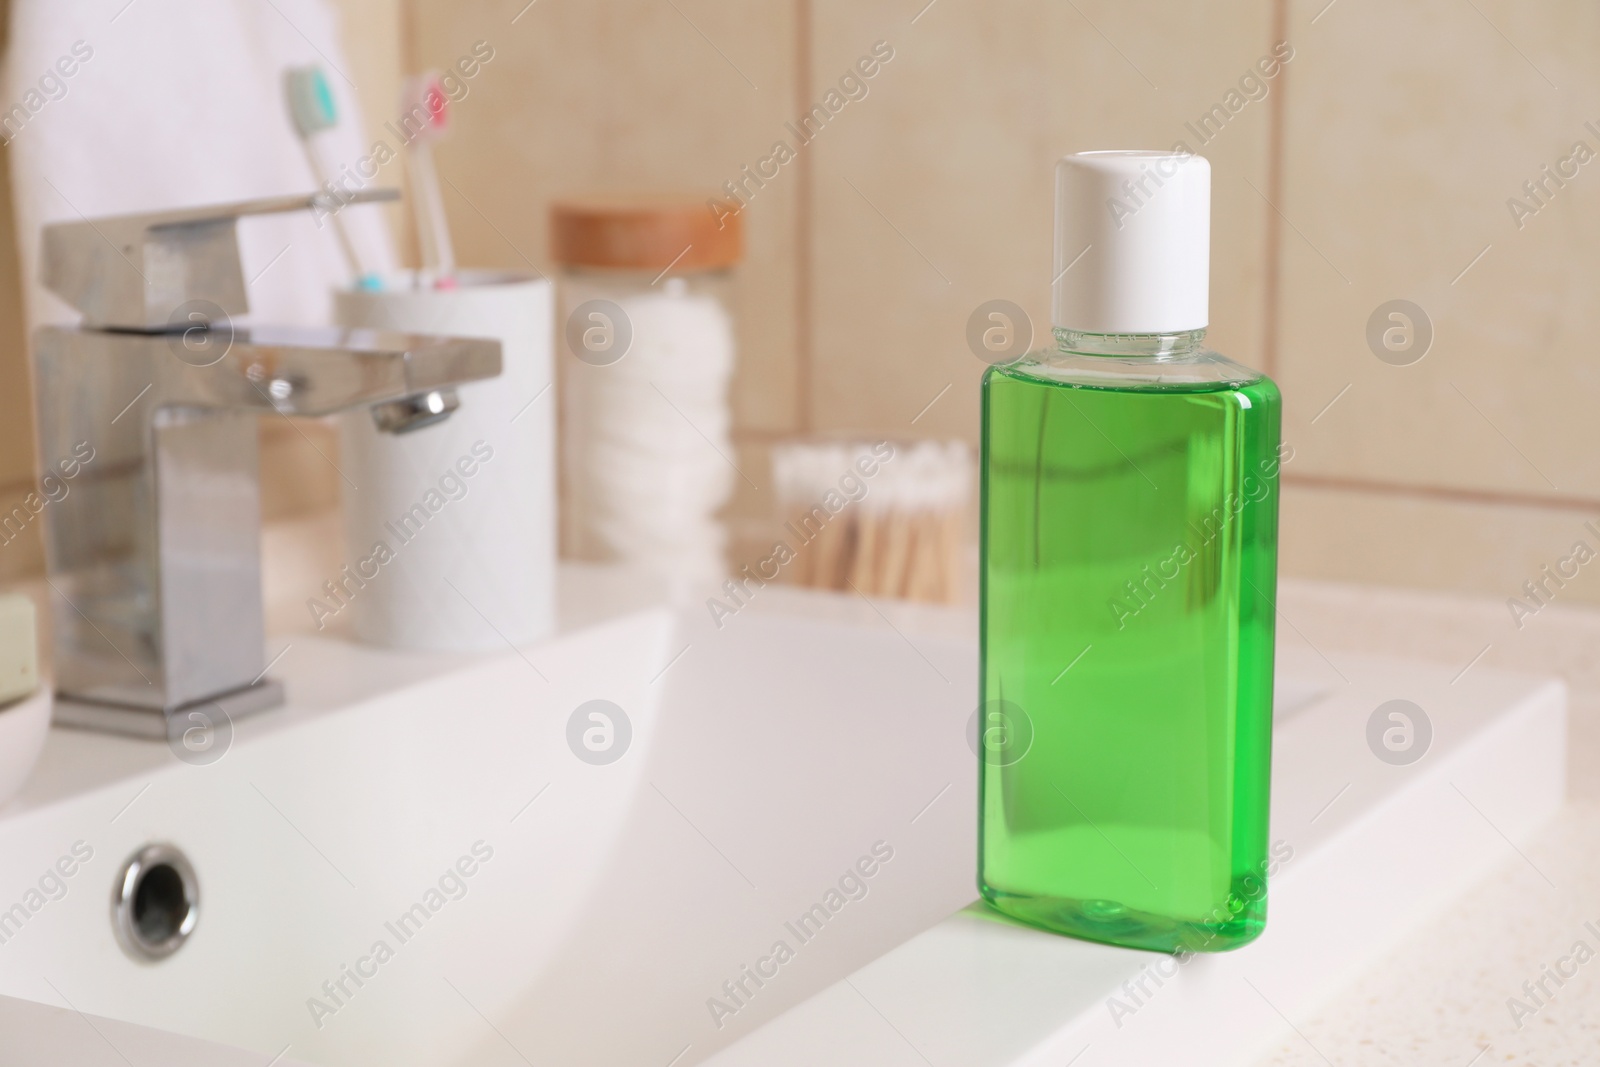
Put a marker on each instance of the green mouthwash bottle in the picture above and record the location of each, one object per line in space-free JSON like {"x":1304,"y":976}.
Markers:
{"x":1129,"y":572}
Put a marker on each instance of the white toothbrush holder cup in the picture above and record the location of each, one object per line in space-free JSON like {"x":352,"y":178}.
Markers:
{"x":450,"y":530}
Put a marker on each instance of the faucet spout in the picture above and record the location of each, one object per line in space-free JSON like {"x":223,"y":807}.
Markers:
{"x":290,"y":371}
{"x":155,"y":553}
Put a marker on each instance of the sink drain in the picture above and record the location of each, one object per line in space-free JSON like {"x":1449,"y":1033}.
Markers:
{"x":155,"y":903}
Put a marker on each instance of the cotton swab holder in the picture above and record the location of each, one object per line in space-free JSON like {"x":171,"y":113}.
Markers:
{"x":882,"y":519}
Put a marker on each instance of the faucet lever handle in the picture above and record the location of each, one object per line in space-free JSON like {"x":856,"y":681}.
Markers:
{"x":133,"y":272}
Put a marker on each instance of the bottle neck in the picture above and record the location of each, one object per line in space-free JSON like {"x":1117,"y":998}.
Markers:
{"x":1129,"y":345}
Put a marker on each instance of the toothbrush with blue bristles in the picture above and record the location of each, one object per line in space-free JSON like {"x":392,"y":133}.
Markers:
{"x":312,"y":109}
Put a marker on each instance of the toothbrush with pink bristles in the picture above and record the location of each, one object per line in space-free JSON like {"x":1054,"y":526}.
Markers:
{"x":424,"y":98}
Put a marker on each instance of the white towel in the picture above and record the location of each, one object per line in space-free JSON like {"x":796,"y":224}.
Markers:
{"x":177,"y":103}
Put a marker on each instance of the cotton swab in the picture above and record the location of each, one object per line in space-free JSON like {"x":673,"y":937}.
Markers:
{"x":901,"y":532}
{"x":425,"y":94}
{"x":312,"y":109}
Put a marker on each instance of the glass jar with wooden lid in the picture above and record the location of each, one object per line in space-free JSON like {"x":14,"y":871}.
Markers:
{"x":647,"y":347}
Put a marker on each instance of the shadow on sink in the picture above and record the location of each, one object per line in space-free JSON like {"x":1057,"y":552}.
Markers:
{"x":1292,"y":695}
{"x":788,"y":758}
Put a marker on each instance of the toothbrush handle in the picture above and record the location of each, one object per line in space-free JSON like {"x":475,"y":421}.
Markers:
{"x":346,"y":246}
{"x":431,"y":203}
{"x":420,"y":162}
{"x":441,"y":234}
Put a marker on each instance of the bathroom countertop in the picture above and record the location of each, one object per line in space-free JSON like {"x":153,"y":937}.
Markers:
{"x":1442,"y":995}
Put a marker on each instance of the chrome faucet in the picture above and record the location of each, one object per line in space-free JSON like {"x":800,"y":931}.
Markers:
{"x":154,"y":551}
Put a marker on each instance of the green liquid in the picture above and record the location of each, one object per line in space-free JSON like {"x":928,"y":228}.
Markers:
{"x":1129,"y":581}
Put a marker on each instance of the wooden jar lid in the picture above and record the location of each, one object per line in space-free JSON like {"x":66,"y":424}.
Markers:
{"x":644,"y":233}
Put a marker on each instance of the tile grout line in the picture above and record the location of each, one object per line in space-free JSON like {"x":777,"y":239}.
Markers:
{"x":1272,"y":268}
{"x":1447,"y":494}
{"x":400,"y":224}
{"x":803,"y":226}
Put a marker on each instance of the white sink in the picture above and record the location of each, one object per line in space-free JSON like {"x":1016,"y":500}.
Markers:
{"x":766,"y":760}
{"x":625,"y":904}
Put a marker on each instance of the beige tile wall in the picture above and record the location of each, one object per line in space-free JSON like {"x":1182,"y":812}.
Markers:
{"x":23,"y":555}
{"x":934,"y":194}
{"x":1408,"y":128}
{"x":1377,"y":167}
{"x":624,"y":97}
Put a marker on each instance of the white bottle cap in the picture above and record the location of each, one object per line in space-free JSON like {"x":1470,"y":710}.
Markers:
{"x":1133,"y":242}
